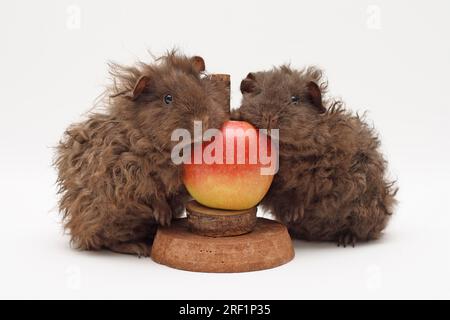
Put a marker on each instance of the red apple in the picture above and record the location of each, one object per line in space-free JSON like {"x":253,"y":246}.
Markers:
{"x":231,"y":185}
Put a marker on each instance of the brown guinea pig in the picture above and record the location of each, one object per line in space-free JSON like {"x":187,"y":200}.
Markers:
{"x":331,"y":184}
{"x":115,"y":174}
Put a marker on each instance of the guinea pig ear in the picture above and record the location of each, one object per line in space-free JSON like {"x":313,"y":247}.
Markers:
{"x":198,"y":63}
{"x":316,"y":96}
{"x":139,"y":87}
{"x":248,"y":85}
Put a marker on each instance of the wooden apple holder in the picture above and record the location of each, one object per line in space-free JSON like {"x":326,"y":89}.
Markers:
{"x":216,"y":240}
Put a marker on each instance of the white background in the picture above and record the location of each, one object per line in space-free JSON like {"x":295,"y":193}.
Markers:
{"x":388,"y":57}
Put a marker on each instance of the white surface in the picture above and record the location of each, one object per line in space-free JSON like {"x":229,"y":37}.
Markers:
{"x":388,"y":57}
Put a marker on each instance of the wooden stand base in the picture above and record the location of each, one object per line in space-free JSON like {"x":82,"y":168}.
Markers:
{"x":267,"y":246}
{"x":219,"y":223}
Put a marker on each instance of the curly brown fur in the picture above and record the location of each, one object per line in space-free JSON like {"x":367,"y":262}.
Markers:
{"x":115,"y":175}
{"x":332,"y":183}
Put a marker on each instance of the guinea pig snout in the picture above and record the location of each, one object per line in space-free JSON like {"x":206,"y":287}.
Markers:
{"x":269,"y":120}
{"x":204,"y":120}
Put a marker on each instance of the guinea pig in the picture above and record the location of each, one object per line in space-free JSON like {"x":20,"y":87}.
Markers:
{"x":331,"y":184}
{"x":115,"y":175}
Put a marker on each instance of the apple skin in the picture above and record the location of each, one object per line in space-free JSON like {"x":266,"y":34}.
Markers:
{"x":229,"y":186}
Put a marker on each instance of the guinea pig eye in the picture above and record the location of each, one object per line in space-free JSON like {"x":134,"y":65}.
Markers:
{"x":168,"y":99}
{"x":295,"y":99}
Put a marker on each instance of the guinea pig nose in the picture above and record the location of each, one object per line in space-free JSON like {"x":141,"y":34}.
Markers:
{"x":205,"y":121}
{"x":269,"y":120}
{"x":273,"y":121}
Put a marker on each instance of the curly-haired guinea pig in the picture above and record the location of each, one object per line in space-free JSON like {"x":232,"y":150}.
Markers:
{"x":331,"y":183}
{"x":115,"y":174}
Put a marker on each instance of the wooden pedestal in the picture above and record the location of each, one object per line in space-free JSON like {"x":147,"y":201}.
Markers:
{"x":219,"y":223}
{"x":267,"y":246}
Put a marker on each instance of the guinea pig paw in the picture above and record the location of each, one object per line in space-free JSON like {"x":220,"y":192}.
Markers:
{"x":140,"y":249}
{"x":163,"y":218}
{"x":346,"y":238}
{"x":293,"y":215}
{"x":143,"y":250}
{"x":168,"y":219}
